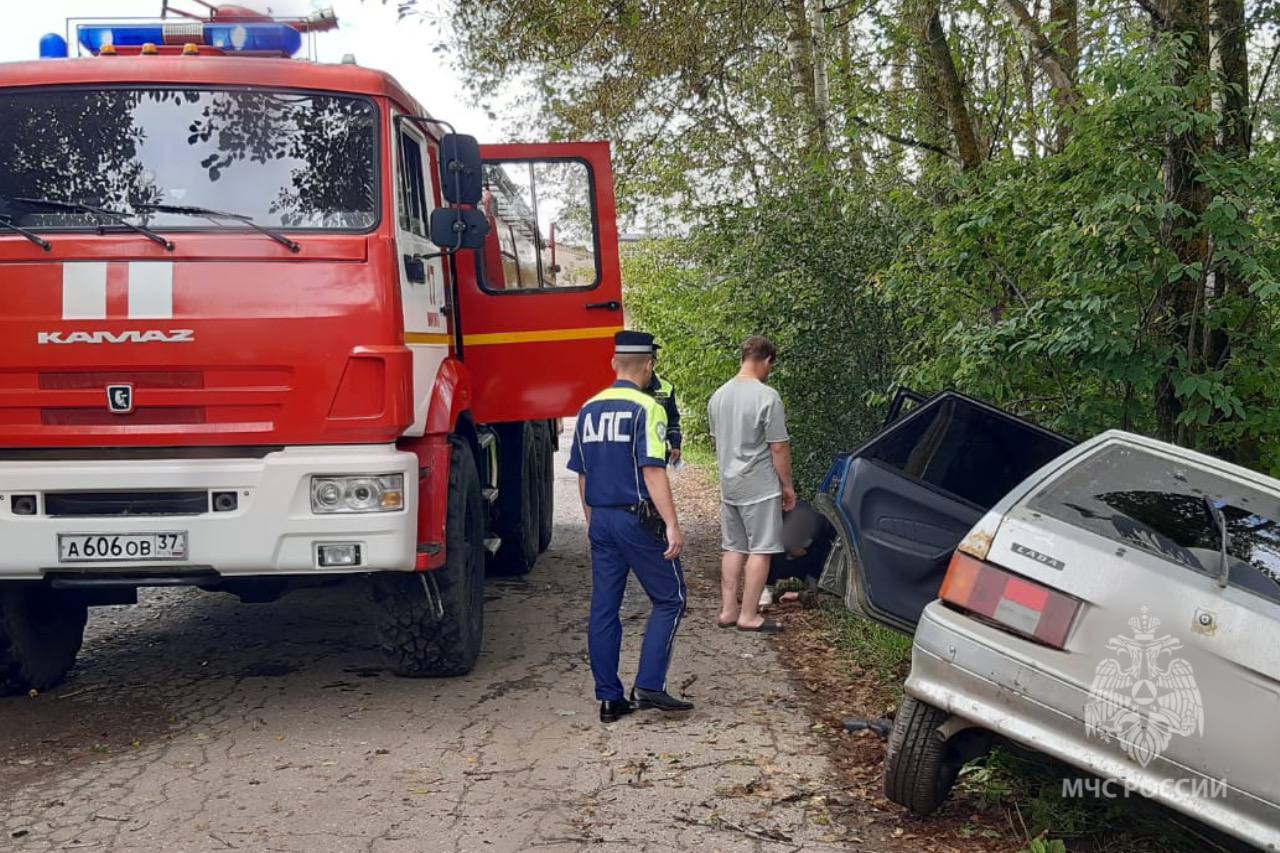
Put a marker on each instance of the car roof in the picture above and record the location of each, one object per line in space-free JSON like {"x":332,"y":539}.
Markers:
{"x":206,"y":71}
{"x":1221,"y":466}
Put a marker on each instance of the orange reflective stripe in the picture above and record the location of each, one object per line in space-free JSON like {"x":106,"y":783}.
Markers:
{"x":538,"y":336}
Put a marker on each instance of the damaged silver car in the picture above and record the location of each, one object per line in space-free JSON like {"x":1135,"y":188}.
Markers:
{"x":1116,"y":607}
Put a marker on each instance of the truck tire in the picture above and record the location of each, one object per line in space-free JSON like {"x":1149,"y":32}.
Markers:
{"x":518,"y":504}
{"x":547,"y":508}
{"x":416,"y":638}
{"x":920,"y":769}
{"x":41,"y":631}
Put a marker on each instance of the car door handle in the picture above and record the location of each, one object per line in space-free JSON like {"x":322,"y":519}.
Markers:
{"x":611,"y":305}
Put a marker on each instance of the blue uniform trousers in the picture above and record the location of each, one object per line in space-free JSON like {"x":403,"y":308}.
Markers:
{"x":618,"y":545}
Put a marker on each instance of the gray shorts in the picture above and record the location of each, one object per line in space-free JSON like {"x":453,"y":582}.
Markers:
{"x":753,"y":528}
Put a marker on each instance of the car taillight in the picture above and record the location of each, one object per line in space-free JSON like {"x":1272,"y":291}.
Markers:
{"x":1015,"y":603}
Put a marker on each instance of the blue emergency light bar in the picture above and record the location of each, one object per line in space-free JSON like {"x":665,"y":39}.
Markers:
{"x":272,"y":38}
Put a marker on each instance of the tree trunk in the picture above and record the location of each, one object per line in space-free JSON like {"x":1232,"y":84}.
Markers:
{"x":1235,"y":135}
{"x":950,"y":90}
{"x":1059,"y":68}
{"x":1186,"y":238}
{"x":821,"y":89}
{"x":1065,"y":14}
{"x":800,"y":61}
{"x":848,"y":95}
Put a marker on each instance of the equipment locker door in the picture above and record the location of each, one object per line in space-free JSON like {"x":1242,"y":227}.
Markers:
{"x":540,"y":303}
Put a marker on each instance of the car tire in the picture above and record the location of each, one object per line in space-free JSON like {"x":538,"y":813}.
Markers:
{"x":41,"y":631}
{"x":439,"y":634}
{"x":518,"y":523}
{"x":547,"y":507}
{"x":919,"y":770}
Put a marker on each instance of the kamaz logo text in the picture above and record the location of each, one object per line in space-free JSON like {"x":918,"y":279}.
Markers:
{"x":132,"y":336}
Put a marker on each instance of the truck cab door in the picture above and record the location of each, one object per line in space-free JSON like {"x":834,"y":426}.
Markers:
{"x":907,"y":497}
{"x":540,"y":303}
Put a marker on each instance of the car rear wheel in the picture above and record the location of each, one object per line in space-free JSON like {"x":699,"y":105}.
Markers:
{"x":41,"y":631}
{"x":920,"y":769}
{"x":431,"y":624}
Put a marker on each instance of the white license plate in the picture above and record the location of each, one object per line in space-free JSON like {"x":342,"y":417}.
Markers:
{"x":121,"y":547}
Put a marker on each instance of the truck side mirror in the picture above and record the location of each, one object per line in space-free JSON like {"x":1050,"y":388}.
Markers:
{"x":460,"y":178}
{"x":454,"y":228}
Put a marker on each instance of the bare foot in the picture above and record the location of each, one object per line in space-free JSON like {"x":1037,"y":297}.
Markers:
{"x":725,"y":621}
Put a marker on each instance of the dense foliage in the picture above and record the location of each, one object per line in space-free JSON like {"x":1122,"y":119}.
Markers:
{"x":1067,"y":207}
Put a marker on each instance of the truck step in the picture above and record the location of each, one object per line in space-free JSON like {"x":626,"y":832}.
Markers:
{"x":492,"y":544}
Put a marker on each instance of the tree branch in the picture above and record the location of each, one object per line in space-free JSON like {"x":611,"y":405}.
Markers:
{"x":904,"y":140}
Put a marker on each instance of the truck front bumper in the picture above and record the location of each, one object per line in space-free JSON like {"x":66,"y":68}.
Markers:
{"x":271,"y":530}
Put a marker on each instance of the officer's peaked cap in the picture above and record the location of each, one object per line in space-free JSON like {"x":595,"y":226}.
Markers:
{"x":634,"y":343}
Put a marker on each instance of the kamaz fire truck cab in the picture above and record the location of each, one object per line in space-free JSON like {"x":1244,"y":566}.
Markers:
{"x":264,"y":323}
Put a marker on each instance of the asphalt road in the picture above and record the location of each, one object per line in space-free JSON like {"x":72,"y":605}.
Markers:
{"x":193,"y":722}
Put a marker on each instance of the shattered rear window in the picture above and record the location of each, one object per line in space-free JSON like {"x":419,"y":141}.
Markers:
{"x":1138,"y":498}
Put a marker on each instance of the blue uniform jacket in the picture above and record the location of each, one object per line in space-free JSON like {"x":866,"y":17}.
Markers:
{"x":619,"y":431}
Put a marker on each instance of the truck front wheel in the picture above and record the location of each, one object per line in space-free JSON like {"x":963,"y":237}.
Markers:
{"x":431,"y":624}
{"x":41,"y":631}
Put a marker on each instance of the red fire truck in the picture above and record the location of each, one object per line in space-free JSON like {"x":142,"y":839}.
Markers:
{"x":265,"y":323}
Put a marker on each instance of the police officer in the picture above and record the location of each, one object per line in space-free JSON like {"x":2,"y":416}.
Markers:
{"x":665,"y":393}
{"x":619,"y":454}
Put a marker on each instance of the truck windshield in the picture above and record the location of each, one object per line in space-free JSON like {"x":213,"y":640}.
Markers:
{"x":283,"y":159}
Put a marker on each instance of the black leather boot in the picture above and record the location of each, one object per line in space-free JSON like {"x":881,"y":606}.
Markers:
{"x":612,"y":709}
{"x":659,"y":700}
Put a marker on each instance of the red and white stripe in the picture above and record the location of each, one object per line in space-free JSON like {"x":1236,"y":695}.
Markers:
{"x":134,"y":290}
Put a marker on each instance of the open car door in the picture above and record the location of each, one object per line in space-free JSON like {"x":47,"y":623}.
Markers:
{"x":902,"y":502}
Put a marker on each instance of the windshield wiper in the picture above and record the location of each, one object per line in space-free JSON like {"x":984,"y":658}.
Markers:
{"x":9,"y":224}
{"x":1224,"y":562}
{"x":120,"y":216}
{"x":187,"y":210}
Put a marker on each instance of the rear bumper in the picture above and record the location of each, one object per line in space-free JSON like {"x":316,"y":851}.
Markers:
{"x":272,"y":530}
{"x":965,"y":668}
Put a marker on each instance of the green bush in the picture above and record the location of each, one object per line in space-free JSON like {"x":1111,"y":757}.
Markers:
{"x":796,"y":268}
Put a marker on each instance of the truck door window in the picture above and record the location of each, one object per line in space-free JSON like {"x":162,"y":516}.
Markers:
{"x":543,"y":226}
{"x":412,"y":190}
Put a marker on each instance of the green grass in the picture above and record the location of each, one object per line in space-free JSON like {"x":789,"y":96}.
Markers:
{"x":1029,"y":787}
{"x":699,"y":455}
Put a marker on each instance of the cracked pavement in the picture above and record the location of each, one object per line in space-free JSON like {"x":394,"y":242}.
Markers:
{"x":194,"y":722}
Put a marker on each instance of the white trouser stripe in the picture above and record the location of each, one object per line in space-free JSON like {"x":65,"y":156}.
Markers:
{"x":150,"y":290}
{"x":84,"y":290}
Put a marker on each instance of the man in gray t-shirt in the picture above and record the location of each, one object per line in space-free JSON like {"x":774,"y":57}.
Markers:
{"x":750,"y":431}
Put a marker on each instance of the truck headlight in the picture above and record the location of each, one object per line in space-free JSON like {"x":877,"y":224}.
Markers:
{"x":357,"y":494}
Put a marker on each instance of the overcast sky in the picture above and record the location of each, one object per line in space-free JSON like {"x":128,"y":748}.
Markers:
{"x":367,"y":29}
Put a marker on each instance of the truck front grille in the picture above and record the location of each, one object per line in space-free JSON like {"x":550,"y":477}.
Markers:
{"x":118,"y":503}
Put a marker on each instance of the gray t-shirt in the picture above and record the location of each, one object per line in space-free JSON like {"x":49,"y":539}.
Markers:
{"x":746,"y":416}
